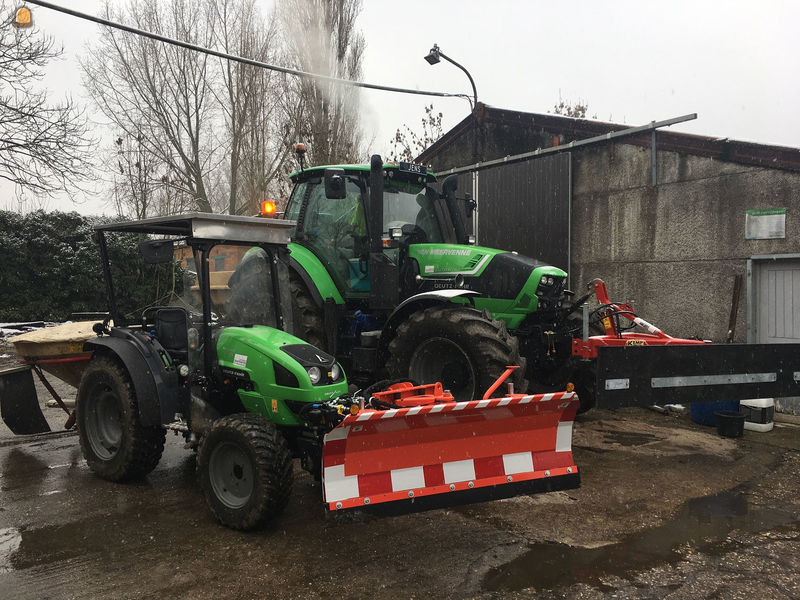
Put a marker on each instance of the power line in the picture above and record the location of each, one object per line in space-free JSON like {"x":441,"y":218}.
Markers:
{"x":233,"y":57}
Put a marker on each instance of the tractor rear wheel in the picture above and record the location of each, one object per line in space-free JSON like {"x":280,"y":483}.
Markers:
{"x":245,"y":471}
{"x":306,"y":315}
{"x":115,"y":444}
{"x":462,"y":347}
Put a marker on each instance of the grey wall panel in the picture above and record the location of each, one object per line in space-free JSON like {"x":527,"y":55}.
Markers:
{"x":525,"y":207}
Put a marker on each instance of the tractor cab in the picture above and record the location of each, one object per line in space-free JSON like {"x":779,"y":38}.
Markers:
{"x":198,"y":275}
{"x":341,"y":218}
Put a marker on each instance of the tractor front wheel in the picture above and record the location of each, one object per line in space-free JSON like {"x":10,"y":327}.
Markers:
{"x":462,"y":347}
{"x":245,"y":471}
{"x":115,"y":444}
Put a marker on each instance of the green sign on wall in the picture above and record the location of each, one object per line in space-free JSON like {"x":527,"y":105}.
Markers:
{"x":765,"y":224}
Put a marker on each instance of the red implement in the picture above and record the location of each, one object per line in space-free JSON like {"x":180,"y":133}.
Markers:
{"x":379,"y":456}
{"x":406,"y":394}
{"x":609,"y":313}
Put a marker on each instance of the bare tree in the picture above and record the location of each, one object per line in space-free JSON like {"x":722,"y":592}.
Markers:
{"x":407,"y":144}
{"x":160,"y":94}
{"x":255,"y":108}
{"x":140,"y":185}
{"x":322,"y":38}
{"x":212,"y":132}
{"x":575,"y":110}
{"x":43,"y":146}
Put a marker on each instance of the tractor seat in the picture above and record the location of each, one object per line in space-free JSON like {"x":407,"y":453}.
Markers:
{"x":172,"y":332}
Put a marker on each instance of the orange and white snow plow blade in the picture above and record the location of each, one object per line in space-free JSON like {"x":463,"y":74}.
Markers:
{"x":380,"y":456}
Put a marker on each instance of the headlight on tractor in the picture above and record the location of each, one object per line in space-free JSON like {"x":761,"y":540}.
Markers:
{"x":315,"y":374}
{"x":336,"y":372}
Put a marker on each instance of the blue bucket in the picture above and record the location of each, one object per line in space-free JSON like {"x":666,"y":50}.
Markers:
{"x":702,"y":413}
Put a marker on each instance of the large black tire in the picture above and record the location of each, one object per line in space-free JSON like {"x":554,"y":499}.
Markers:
{"x":115,"y":444}
{"x":463,"y":348}
{"x":245,"y":471}
{"x":307,"y":317}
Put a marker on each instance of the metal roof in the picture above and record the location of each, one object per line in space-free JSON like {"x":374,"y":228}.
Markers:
{"x":748,"y":153}
{"x":209,"y":226}
{"x":319,"y":170}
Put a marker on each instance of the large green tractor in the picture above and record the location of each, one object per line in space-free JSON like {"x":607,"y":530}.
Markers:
{"x":386,"y":277}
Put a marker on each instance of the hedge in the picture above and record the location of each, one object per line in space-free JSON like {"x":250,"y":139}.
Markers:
{"x":50,"y":267}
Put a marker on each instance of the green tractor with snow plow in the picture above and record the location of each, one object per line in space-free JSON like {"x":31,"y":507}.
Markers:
{"x":386,"y":277}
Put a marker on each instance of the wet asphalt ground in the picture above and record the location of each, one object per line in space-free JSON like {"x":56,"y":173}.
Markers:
{"x":666,"y":509}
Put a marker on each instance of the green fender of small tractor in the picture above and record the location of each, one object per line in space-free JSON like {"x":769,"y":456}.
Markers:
{"x":254,"y":351}
{"x":317,"y":278}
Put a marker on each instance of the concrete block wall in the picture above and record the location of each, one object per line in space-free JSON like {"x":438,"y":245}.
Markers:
{"x":674,"y":248}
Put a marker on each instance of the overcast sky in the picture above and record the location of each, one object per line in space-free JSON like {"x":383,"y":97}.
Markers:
{"x":733,"y":62}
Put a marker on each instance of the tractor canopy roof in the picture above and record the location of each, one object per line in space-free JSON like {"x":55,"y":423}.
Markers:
{"x":208,"y":226}
{"x":403,"y":170}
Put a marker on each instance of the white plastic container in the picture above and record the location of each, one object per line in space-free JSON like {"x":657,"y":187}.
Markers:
{"x":759,"y":413}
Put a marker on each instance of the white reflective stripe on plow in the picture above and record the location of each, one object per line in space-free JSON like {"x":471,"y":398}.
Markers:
{"x":407,"y":479}
{"x":390,"y":413}
{"x":459,"y":470}
{"x":504,"y":402}
{"x":461,"y":405}
{"x":437,"y":408}
{"x":525,"y":399}
{"x":414,"y":410}
{"x":337,"y":433}
{"x":339,"y":486}
{"x":546,"y":397}
{"x":519,"y":462}
{"x":564,"y":437}
{"x":483,"y":404}
{"x":365,"y":416}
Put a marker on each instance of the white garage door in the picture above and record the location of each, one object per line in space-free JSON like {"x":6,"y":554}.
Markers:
{"x":777,"y":311}
{"x":778,"y":302}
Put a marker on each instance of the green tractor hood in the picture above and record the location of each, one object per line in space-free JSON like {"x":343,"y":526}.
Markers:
{"x":508,"y":283}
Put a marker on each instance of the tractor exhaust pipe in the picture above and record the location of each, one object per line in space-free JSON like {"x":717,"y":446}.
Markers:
{"x":375,"y":210}
{"x":384,"y":276}
{"x":449,"y":188}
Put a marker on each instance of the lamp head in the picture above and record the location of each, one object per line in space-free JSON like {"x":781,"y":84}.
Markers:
{"x":433,"y":56}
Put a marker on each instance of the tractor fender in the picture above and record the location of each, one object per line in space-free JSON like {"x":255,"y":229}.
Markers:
{"x":314,"y":274}
{"x":154,"y":384}
{"x":413,"y":304}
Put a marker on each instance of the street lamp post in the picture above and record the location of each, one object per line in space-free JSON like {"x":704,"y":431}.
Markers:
{"x":433,"y":58}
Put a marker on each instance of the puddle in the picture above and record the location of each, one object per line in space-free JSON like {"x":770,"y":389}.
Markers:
{"x":9,"y":543}
{"x":704,"y":523}
{"x":20,"y":469}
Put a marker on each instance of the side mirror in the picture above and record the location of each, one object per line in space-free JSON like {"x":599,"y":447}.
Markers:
{"x":156,"y":251}
{"x":335,"y":184}
{"x":470,"y":204}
